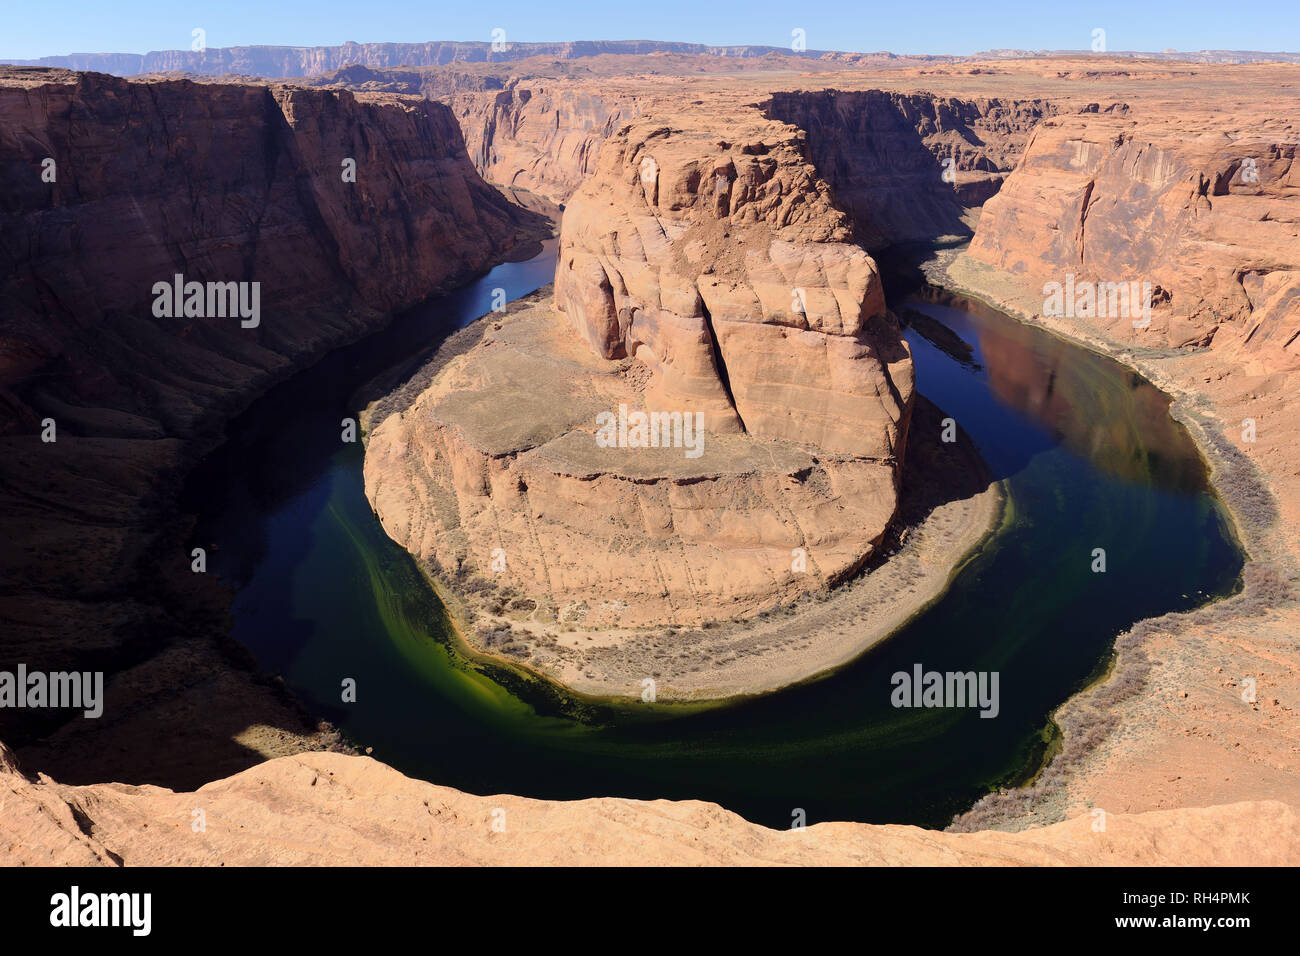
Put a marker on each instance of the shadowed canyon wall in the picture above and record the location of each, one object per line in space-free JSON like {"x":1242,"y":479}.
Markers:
{"x":883,"y":154}
{"x":218,"y":183}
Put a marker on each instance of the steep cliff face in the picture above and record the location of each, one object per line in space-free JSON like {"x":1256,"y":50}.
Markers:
{"x":882,"y":153}
{"x":1210,"y":220}
{"x":541,"y":137}
{"x":230,"y":183}
{"x":724,"y":266}
{"x":113,"y":187}
{"x":885,"y":154}
{"x":903,"y":166}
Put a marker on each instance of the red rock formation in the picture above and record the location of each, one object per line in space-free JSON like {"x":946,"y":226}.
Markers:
{"x":884,"y":154}
{"x":543,"y":136}
{"x":1210,"y":217}
{"x":724,"y":266}
{"x":697,"y":277}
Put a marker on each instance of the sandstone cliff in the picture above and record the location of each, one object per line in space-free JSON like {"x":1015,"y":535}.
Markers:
{"x":541,"y":136}
{"x":219,"y":183}
{"x":1206,"y":210}
{"x":724,"y":266}
{"x":884,"y":155}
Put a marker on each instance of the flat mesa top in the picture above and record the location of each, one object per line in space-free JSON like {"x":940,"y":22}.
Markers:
{"x":491,"y":395}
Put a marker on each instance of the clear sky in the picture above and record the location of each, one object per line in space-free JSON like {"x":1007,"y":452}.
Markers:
{"x":34,"y":28}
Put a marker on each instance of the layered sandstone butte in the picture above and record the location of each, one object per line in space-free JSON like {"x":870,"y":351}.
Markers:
{"x":1204,"y":208}
{"x":725,"y":267}
{"x":219,"y":183}
{"x":696,"y":276}
{"x":334,"y":810}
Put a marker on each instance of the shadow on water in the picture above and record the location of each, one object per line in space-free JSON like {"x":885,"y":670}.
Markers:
{"x":1085,"y":451}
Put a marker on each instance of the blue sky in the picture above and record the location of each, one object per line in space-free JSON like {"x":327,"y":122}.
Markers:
{"x":29,"y":28}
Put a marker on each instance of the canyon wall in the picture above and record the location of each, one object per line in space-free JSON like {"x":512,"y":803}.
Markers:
{"x":884,"y":155}
{"x":539,"y":136}
{"x":113,"y":186}
{"x":1207,"y":213}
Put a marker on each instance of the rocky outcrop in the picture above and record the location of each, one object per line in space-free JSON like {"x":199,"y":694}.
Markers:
{"x":1209,"y":219}
{"x":724,"y":266}
{"x":701,"y":278}
{"x":116,"y":186}
{"x":332,"y":810}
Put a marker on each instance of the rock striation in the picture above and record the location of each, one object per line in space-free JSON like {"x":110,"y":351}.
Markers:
{"x":542,"y":136}
{"x":907,"y":166}
{"x":1207,"y":214}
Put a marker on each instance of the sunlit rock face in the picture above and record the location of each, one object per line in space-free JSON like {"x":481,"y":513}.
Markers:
{"x":1209,"y":222}
{"x":707,"y":278}
{"x":726,"y":269}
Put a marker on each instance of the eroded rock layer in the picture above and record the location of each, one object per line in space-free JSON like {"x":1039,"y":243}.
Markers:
{"x":701,"y":278}
{"x":908,"y":166}
{"x":724,"y":266}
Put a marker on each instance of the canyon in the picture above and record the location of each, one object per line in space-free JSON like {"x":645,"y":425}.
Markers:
{"x":136,"y":398}
{"x":1059,"y":166}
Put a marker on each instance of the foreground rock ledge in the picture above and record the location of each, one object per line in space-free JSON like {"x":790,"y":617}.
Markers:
{"x":331,"y":809}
